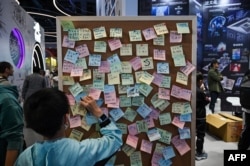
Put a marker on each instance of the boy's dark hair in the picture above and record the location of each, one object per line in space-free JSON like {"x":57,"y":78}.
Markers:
{"x":4,"y":65}
{"x":199,"y":77}
{"x":44,"y":111}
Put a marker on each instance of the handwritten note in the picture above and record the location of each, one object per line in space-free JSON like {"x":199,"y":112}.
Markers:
{"x":100,"y":46}
{"x":181,"y":78}
{"x":147,"y":63}
{"x":114,"y":44}
{"x":75,"y":121}
{"x":135,"y":35}
{"x":181,"y":145}
{"x":175,"y":37}
{"x":68,"y":43}
{"x":82,"y":50}
{"x":159,"y":40}
{"x":159,"y":54}
{"x":161,"y":29}
{"x":115,"y":32}
{"x":182,"y":27}
{"x":116,"y":113}
{"x":146,"y":146}
{"x":149,"y":33}
{"x":95,"y":60}
{"x":71,"y":56}
{"x":126,"y":50}
{"x":141,"y":49}
{"x":99,"y":32}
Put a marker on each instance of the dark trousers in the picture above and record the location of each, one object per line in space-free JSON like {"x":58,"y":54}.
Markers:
{"x":244,"y":141}
{"x":3,"y":147}
{"x":214,"y":95}
{"x":200,"y":134}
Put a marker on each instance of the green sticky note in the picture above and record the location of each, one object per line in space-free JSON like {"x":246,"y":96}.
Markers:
{"x":130,"y":114}
{"x":137,"y":100}
{"x":123,"y":127}
{"x":142,"y":126}
{"x":145,"y":89}
{"x":165,"y":136}
{"x":165,"y":118}
{"x":125,"y":101}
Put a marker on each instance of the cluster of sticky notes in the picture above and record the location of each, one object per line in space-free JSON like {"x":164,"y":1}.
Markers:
{"x":121,"y":87}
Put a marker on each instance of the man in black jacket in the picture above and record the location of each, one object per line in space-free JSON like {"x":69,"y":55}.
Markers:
{"x":201,"y":101}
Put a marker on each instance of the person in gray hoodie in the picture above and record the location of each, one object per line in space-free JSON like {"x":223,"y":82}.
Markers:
{"x":33,"y":83}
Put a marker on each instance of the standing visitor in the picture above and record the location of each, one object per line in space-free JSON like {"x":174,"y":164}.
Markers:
{"x":33,"y":83}
{"x":214,"y":83}
{"x":11,"y":118}
{"x":6,"y":70}
{"x":201,"y":101}
{"x":244,"y":141}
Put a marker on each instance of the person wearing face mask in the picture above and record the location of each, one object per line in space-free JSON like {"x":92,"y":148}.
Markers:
{"x":46,"y":112}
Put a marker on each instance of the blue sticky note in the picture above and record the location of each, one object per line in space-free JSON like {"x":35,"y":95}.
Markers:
{"x":168,"y":152}
{"x":116,"y":113}
{"x":99,"y":102}
{"x":79,"y":96}
{"x":144,"y":110}
{"x":163,"y":162}
{"x":109,"y":88}
{"x":184,"y":133}
{"x":95,"y":60}
{"x":91,"y":119}
{"x":71,"y":56}
{"x":185,"y":117}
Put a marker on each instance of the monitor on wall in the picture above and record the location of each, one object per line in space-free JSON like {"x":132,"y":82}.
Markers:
{"x":163,"y":7}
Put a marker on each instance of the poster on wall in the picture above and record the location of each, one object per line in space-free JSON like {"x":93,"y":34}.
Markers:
{"x":226,"y":38}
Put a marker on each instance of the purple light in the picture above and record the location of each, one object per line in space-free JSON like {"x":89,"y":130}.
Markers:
{"x":21,"y":45}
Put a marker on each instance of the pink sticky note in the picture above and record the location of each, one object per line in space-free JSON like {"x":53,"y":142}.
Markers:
{"x":154,"y":113}
{"x":146,"y":146}
{"x":186,"y":94}
{"x":188,"y":68}
{"x":159,"y":54}
{"x":114,"y":105}
{"x":175,"y":92}
{"x":150,"y":122}
{"x":110,"y":97}
{"x":114,"y":44}
{"x":68,"y":43}
{"x":71,"y":99}
{"x":82,"y":50}
{"x":75,"y":121}
{"x":76,"y":72}
{"x":132,"y":129}
{"x":157,"y":79}
{"x":155,"y":158}
{"x":67,"y":67}
{"x":136,"y":63}
{"x":164,"y":93}
{"x":176,"y":121}
{"x":95,"y":93}
{"x":149,"y":33}
{"x":104,"y":67}
{"x":132,"y":141}
{"x":180,"y":144}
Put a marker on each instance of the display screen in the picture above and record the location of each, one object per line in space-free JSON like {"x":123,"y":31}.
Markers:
{"x":163,"y":7}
